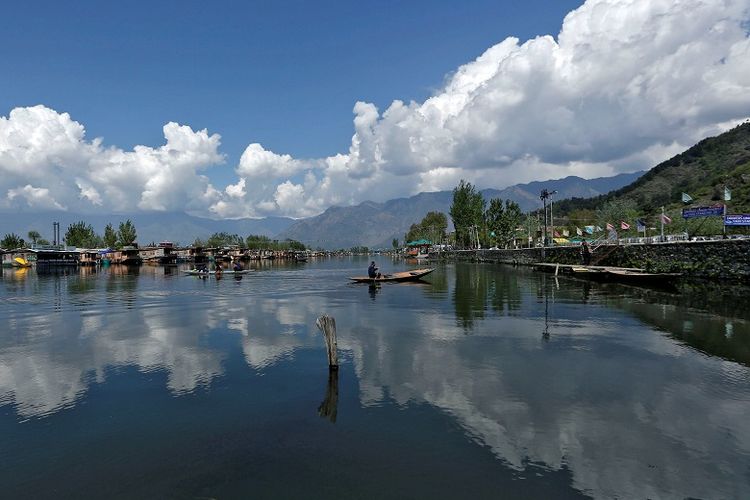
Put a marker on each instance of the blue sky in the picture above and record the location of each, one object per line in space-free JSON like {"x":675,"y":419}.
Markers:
{"x":282,"y":73}
{"x":249,"y":109}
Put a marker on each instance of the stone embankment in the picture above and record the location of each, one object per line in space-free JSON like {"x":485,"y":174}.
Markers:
{"x":718,"y":259}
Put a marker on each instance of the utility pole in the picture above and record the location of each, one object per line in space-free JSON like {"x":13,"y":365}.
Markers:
{"x":546,"y":194}
{"x":543,"y":197}
{"x":551,"y":221}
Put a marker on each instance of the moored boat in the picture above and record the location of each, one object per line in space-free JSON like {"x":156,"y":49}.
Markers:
{"x":642,"y":278}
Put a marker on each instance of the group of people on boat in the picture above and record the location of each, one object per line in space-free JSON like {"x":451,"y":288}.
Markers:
{"x":203,"y":268}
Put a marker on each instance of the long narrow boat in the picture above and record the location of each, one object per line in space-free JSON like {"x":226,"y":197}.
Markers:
{"x":228,"y":272}
{"x":589,"y":273}
{"x":412,"y":275}
{"x":643,"y":278}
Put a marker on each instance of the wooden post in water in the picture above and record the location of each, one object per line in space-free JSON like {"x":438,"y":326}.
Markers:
{"x":327,"y":325}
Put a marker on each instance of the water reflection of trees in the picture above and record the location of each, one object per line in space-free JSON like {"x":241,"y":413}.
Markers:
{"x":481,"y":288}
{"x":470,"y":295}
{"x":694,"y":316}
{"x":605,"y":398}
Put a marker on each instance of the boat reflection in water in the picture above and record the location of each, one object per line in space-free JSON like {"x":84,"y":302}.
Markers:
{"x":533,"y":386}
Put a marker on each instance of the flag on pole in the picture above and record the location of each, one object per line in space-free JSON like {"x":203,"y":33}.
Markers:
{"x":589,"y":229}
{"x":599,"y":229}
{"x":566,"y":233}
{"x":624,"y":225}
{"x":727,"y":194}
{"x":640,"y":224}
{"x":665,"y":219}
{"x":686,"y":198}
{"x":610,"y":227}
{"x":578,"y":231}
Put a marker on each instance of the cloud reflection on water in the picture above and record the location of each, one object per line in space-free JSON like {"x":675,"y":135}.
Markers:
{"x":628,"y":411}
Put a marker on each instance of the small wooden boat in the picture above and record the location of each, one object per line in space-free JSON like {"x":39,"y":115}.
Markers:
{"x":412,"y":275}
{"x":642,"y":278}
{"x":228,"y":272}
{"x":589,"y":273}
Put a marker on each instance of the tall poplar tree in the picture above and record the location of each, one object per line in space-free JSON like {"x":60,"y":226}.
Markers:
{"x":110,"y":236}
{"x":126,"y":234}
{"x":467,"y":211}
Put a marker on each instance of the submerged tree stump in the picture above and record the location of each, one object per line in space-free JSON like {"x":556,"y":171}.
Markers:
{"x":327,"y":325}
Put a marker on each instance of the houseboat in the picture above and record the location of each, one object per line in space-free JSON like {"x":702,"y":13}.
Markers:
{"x":89,"y":257}
{"x":162,"y":254}
{"x":46,"y":257}
{"x":20,"y":257}
{"x":126,"y":255}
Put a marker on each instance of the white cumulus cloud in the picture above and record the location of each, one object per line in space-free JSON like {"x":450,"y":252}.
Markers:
{"x":623,"y":85}
{"x":47,"y":163}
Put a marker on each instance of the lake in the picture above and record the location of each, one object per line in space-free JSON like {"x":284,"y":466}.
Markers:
{"x":486,"y":381}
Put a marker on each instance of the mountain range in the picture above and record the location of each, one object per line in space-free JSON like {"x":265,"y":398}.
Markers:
{"x":375,"y":225}
{"x":369,"y":224}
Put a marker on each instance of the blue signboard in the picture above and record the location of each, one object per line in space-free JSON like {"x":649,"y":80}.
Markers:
{"x":737,"y":220}
{"x":691,"y":213}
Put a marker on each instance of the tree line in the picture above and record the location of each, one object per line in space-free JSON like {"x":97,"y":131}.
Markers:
{"x":80,"y":235}
{"x":475,"y":221}
{"x":252,"y":242}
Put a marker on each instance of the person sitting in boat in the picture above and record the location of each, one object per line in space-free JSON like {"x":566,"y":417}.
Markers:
{"x":372,"y":271}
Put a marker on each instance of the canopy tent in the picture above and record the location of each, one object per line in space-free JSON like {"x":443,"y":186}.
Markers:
{"x":419,"y":243}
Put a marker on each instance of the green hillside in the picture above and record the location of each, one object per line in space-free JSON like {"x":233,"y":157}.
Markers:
{"x":702,"y":171}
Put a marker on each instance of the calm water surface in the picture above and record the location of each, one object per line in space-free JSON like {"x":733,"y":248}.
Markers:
{"x":486,"y":382}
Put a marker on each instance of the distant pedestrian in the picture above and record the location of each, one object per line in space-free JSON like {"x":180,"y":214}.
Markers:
{"x":585,"y":253}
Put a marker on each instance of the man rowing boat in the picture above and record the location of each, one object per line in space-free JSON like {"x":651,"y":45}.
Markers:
{"x":372,"y":271}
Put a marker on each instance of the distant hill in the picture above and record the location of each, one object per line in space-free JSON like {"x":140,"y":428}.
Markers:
{"x":156,"y":226}
{"x":376,"y":224}
{"x":702,"y":172}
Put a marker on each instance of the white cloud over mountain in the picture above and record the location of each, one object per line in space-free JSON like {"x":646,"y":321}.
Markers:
{"x":626,"y":84}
